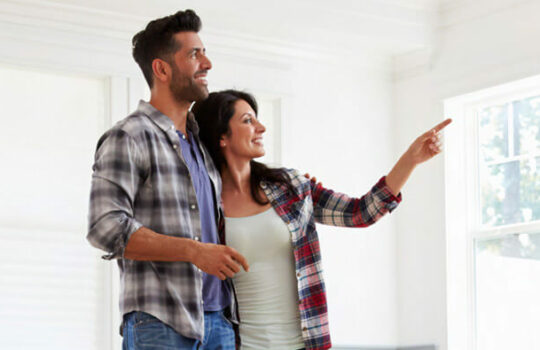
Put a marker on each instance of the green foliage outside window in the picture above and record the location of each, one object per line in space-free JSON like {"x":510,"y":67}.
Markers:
{"x":509,"y":140}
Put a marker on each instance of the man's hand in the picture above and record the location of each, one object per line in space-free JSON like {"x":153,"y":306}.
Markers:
{"x":312,"y":179}
{"x":219,"y":260}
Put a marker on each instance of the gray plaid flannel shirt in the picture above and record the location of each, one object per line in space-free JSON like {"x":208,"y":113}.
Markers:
{"x":140,"y":179}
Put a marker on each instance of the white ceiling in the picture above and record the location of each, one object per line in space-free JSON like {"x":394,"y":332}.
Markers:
{"x":390,"y":27}
{"x":379,"y":28}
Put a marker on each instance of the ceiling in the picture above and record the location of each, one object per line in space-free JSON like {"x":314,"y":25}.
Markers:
{"x":386,"y":26}
{"x":353,"y":28}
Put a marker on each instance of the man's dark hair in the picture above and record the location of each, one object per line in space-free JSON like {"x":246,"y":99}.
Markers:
{"x":157,"y":39}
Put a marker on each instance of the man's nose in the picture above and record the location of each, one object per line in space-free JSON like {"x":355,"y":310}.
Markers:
{"x":206,"y":63}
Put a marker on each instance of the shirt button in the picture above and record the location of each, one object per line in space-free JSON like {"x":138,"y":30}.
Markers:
{"x":202,"y":302}
{"x":196,"y":238}
{"x":172,"y":127}
{"x":304,"y":329}
{"x":175,"y":146}
{"x":193,"y":206}
{"x":183,"y":137}
{"x":298,"y":274}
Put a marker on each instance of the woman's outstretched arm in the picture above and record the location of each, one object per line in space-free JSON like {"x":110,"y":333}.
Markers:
{"x":338,"y":209}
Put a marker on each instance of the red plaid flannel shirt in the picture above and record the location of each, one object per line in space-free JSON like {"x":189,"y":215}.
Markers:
{"x":313,"y":203}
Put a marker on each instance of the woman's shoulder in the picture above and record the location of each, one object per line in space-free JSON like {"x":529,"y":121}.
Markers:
{"x":298,"y":180}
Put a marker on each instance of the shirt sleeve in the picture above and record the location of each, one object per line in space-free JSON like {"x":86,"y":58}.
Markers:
{"x":115,"y":181}
{"x":338,"y":209}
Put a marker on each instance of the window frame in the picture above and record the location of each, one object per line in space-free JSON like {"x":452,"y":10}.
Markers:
{"x":463,"y":211}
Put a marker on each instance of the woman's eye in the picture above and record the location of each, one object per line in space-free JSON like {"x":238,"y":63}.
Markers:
{"x":248,"y":120}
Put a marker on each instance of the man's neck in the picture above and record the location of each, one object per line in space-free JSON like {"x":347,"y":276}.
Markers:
{"x":173,"y":109}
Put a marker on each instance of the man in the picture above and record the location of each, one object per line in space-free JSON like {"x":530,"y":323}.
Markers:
{"x":154,"y":202}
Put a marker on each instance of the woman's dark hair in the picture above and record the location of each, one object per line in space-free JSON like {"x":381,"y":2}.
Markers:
{"x":213,"y":116}
{"x":157,"y":39}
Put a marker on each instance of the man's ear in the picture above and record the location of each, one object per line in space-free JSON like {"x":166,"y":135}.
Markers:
{"x":162,"y":70}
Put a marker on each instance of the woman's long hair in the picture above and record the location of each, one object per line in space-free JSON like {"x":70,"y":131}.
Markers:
{"x":213,"y":116}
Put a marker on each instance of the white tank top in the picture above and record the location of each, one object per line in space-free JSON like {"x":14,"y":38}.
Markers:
{"x":267,"y":294}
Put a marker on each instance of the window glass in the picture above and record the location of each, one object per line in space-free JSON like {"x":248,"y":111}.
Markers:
{"x":509,"y":155}
{"x":507,"y":289}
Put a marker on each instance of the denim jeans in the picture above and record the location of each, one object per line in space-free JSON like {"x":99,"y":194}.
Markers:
{"x":145,"y":332}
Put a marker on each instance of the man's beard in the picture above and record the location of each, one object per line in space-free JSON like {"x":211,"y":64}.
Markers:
{"x":185,"y":88}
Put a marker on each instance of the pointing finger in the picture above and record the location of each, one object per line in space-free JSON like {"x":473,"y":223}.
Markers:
{"x":442,"y":125}
{"x":433,"y":131}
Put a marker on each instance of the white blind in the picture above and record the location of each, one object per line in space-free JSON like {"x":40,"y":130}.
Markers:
{"x":54,"y":289}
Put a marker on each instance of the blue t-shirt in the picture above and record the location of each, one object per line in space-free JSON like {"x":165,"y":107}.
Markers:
{"x":215,"y":292}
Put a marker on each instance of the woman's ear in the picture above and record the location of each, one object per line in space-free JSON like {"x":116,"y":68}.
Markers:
{"x":223,"y":141}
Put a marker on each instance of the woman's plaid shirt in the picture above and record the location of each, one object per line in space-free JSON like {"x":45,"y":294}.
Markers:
{"x":313,"y":203}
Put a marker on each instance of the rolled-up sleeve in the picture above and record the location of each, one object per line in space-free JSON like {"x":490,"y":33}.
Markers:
{"x":117,"y":173}
{"x":338,"y":209}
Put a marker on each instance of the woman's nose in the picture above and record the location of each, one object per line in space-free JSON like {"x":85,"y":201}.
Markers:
{"x":260,"y":127}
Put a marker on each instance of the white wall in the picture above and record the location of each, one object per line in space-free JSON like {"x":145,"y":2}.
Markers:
{"x":339,"y":129}
{"x":479,"y":45}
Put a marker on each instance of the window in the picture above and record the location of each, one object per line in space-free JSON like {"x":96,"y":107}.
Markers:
{"x":55,"y":289}
{"x":509,"y":154}
{"x":493,"y":218}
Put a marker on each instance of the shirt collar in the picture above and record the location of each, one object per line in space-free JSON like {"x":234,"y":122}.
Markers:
{"x":164,"y":122}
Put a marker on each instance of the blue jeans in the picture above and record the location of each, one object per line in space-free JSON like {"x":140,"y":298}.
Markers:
{"x":145,"y":332}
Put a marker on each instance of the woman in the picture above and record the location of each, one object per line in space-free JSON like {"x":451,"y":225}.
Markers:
{"x":270,"y":219}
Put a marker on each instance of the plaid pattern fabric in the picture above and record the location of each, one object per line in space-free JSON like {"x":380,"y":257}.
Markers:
{"x":300,"y":211}
{"x":140,"y":179}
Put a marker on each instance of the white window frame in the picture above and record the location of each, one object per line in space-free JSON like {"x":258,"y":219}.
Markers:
{"x":463,"y":221}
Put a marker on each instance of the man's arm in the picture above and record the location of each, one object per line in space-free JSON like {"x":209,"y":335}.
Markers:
{"x":112,"y":227}
{"x":115,"y":183}
{"x":214,"y":259}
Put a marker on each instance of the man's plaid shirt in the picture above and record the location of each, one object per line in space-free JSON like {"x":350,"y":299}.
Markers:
{"x":309,"y":204}
{"x":141,"y":179}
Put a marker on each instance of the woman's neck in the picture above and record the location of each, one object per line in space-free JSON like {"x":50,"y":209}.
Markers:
{"x":236,"y":175}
